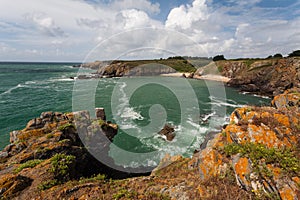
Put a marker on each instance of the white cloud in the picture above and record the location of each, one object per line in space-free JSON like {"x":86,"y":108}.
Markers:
{"x":145,"y":5}
{"x":45,"y":23}
{"x":69,"y":29}
{"x":183,"y":16}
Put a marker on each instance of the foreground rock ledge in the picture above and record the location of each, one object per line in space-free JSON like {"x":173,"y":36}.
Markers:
{"x":255,"y":157}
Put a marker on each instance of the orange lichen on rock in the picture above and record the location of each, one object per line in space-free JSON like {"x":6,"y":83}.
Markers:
{"x":242,"y":170}
{"x":282,"y":119}
{"x":262,"y":136}
{"x":286,"y":193}
{"x":210,"y":162}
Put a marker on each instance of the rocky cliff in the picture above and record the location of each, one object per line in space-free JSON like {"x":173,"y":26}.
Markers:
{"x":119,"y":68}
{"x":265,"y":76}
{"x":256,"y":156}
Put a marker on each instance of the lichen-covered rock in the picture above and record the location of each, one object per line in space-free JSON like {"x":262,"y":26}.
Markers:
{"x":261,"y":145}
{"x":265,"y":76}
{"x":256,"y":156}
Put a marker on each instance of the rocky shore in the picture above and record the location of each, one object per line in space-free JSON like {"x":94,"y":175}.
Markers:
{"x":269,"y":77}
{"x":256,"y":156}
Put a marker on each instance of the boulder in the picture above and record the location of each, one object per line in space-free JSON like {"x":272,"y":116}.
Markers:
{"x":100,"y":113}
{"x":35,"y":123}
{"x":191,"y":75}
{"x":168,"y":132}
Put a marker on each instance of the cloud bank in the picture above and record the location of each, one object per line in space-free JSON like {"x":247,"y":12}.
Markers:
{"x":67,"y":30}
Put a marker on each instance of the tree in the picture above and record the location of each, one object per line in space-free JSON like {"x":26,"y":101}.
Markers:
{"x":295,"y":53}
{"x":219,"y":57}
{"x":278,"y":55}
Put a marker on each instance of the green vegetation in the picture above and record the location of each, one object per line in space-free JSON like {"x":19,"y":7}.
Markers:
{"x":176,"y":58}
{"x":218,"y":58}
{"x":99,"y":177}
{"x":283,"y":158}
{"x":123,"y":193}
{"x":278,"y":55}
{"x":295,"y":53}
{"x":28,"y":164}
{"x":156,"y":195}
{"x":48,"y":184}
{"x":50,"y":135}
{"x":180,"y":65}
{"x":62,"y":165}
{"x":65,"y":126}
{"x":249,"y":62}
{"x":220,"y":68}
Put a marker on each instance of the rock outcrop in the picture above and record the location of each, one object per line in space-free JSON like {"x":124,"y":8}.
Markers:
{"x":260,"y":148}
{"x":269,"y":77}
{"x":50,"y":152}
{"x":168,"y":132}
{"x":256,"y":156}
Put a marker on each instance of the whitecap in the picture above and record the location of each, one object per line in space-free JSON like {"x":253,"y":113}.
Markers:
{"x":208,"y":116}
{"x":30,"y":82}
{"x":261,"y":96}
{"x":11,"y":89}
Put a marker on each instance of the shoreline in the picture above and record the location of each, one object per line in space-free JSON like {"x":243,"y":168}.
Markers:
{"x":210,"y":77}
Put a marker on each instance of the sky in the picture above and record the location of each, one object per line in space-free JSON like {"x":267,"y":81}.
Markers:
{"x":88,"y":30}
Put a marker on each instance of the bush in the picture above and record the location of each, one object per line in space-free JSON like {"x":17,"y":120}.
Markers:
{"x":219,"y":57}
{"x":62,"y":166}
{"x":295,"y":53}
{"x":278,"y":55}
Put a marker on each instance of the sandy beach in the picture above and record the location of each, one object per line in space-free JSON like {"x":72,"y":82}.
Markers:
{"x":177,"y":74}
{"x":211,"y":77}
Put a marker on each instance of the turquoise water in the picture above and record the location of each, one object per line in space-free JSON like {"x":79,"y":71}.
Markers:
{"x":140,"y":105}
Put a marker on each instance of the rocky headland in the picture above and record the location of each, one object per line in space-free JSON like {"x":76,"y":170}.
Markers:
{"x":255,"y":156}
{"x":269,"y":77}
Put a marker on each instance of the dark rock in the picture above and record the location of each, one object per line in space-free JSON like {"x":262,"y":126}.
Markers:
{"x":237,"y":114}
{"x":110,"y":131}
{"x":250,"y":88}
{"x":35,"y":123}
{"x":46,"y":115}
{"x":69,"y":132}
{"x":100,"y":113}
{"x":13,"y":184}
{"x":191,"y":75}
{"x":208,"y":137}
{"x":168,"y":131}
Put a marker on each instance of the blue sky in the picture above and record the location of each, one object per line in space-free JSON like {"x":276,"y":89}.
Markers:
{"x":80,"y":30}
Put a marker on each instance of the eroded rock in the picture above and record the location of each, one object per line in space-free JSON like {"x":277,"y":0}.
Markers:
{"x":168,"y":132}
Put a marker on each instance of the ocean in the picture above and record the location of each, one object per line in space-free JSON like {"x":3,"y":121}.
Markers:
{"x":139,"y":105}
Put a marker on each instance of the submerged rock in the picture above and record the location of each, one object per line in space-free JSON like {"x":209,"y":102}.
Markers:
{"x":168,"y":132}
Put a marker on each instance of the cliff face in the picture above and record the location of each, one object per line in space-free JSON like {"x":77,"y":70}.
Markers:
{"x":120,"y":68}
{"x":49,"y":152}
{"x":259,"y":148}
{"x":269,"y":77}
{"x":255,"y":156}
